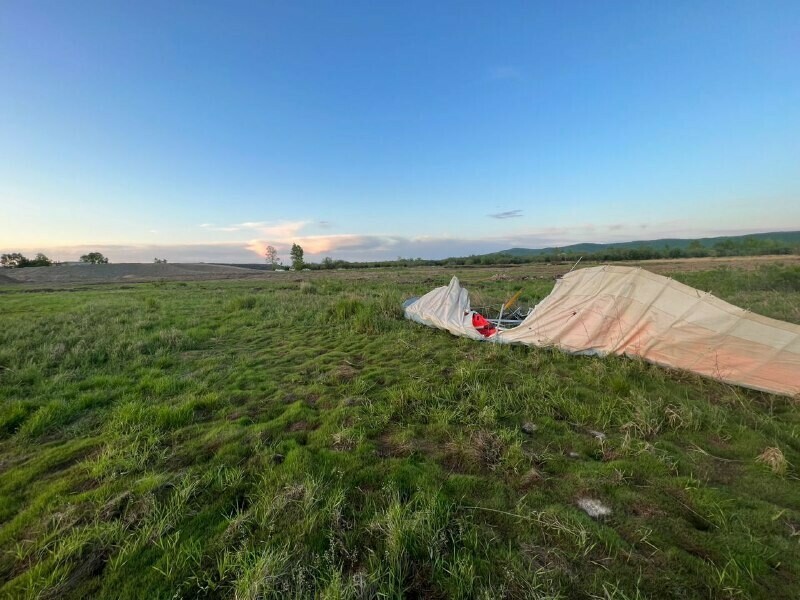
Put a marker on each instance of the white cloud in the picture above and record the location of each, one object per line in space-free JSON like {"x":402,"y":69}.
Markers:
{"x":279,"y":230}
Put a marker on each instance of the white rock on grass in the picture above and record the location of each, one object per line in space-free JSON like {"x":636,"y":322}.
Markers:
{"x":594,"y":508}
{"x":597,"y":434}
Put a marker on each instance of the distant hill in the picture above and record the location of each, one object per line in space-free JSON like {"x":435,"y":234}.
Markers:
{"x":787,"y":237}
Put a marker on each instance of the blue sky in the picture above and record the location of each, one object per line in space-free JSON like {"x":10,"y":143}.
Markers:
{"x":203,"y":131}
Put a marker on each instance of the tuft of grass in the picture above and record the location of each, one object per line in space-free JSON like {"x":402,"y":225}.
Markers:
{"x":307,"y":287}
{"x":774,"y":459}
{"x":248,"y":302}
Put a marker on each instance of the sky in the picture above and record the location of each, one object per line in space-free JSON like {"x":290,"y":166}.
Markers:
{"x":203,"y":131}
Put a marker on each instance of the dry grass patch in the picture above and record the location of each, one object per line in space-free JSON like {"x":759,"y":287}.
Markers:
{"x":773,"y":457}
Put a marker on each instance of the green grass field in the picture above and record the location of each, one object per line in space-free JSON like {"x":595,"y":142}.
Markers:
{"x":295,"y":437}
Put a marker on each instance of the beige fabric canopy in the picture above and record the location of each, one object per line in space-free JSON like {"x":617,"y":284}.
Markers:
{"x":630,"y":311}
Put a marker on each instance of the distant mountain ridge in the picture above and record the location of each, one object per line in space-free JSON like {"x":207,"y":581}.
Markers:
{"x":788,"y":237}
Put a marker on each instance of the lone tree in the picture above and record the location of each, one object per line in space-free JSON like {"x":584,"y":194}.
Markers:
{"x":40,"y":261}
{"x":160,"y":261}
{"x":271,"y":255}
{"x":297,"y":257}
{"x":94,"y":258}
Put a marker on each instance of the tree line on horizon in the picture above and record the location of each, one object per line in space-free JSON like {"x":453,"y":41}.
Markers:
{"x":747,"y":246}
{"x":17,"y":260}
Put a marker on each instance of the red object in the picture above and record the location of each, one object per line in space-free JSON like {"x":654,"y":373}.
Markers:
{"x":484,"y":327}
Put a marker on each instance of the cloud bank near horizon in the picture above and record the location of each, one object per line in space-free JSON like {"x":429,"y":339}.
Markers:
{"x":368,"y":247}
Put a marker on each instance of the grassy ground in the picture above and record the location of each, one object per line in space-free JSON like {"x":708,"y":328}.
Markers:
{"x":295,"y":437}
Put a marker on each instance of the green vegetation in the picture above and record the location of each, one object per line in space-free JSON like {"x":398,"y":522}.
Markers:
{"x":777,"y":242}
{"x":296,"y":255}
{"x":271,"y":256}
{"x":760,"y":244}
{"x":295,"y":437}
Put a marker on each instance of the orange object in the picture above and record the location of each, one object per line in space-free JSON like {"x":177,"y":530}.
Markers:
{"x":484,"y":327}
